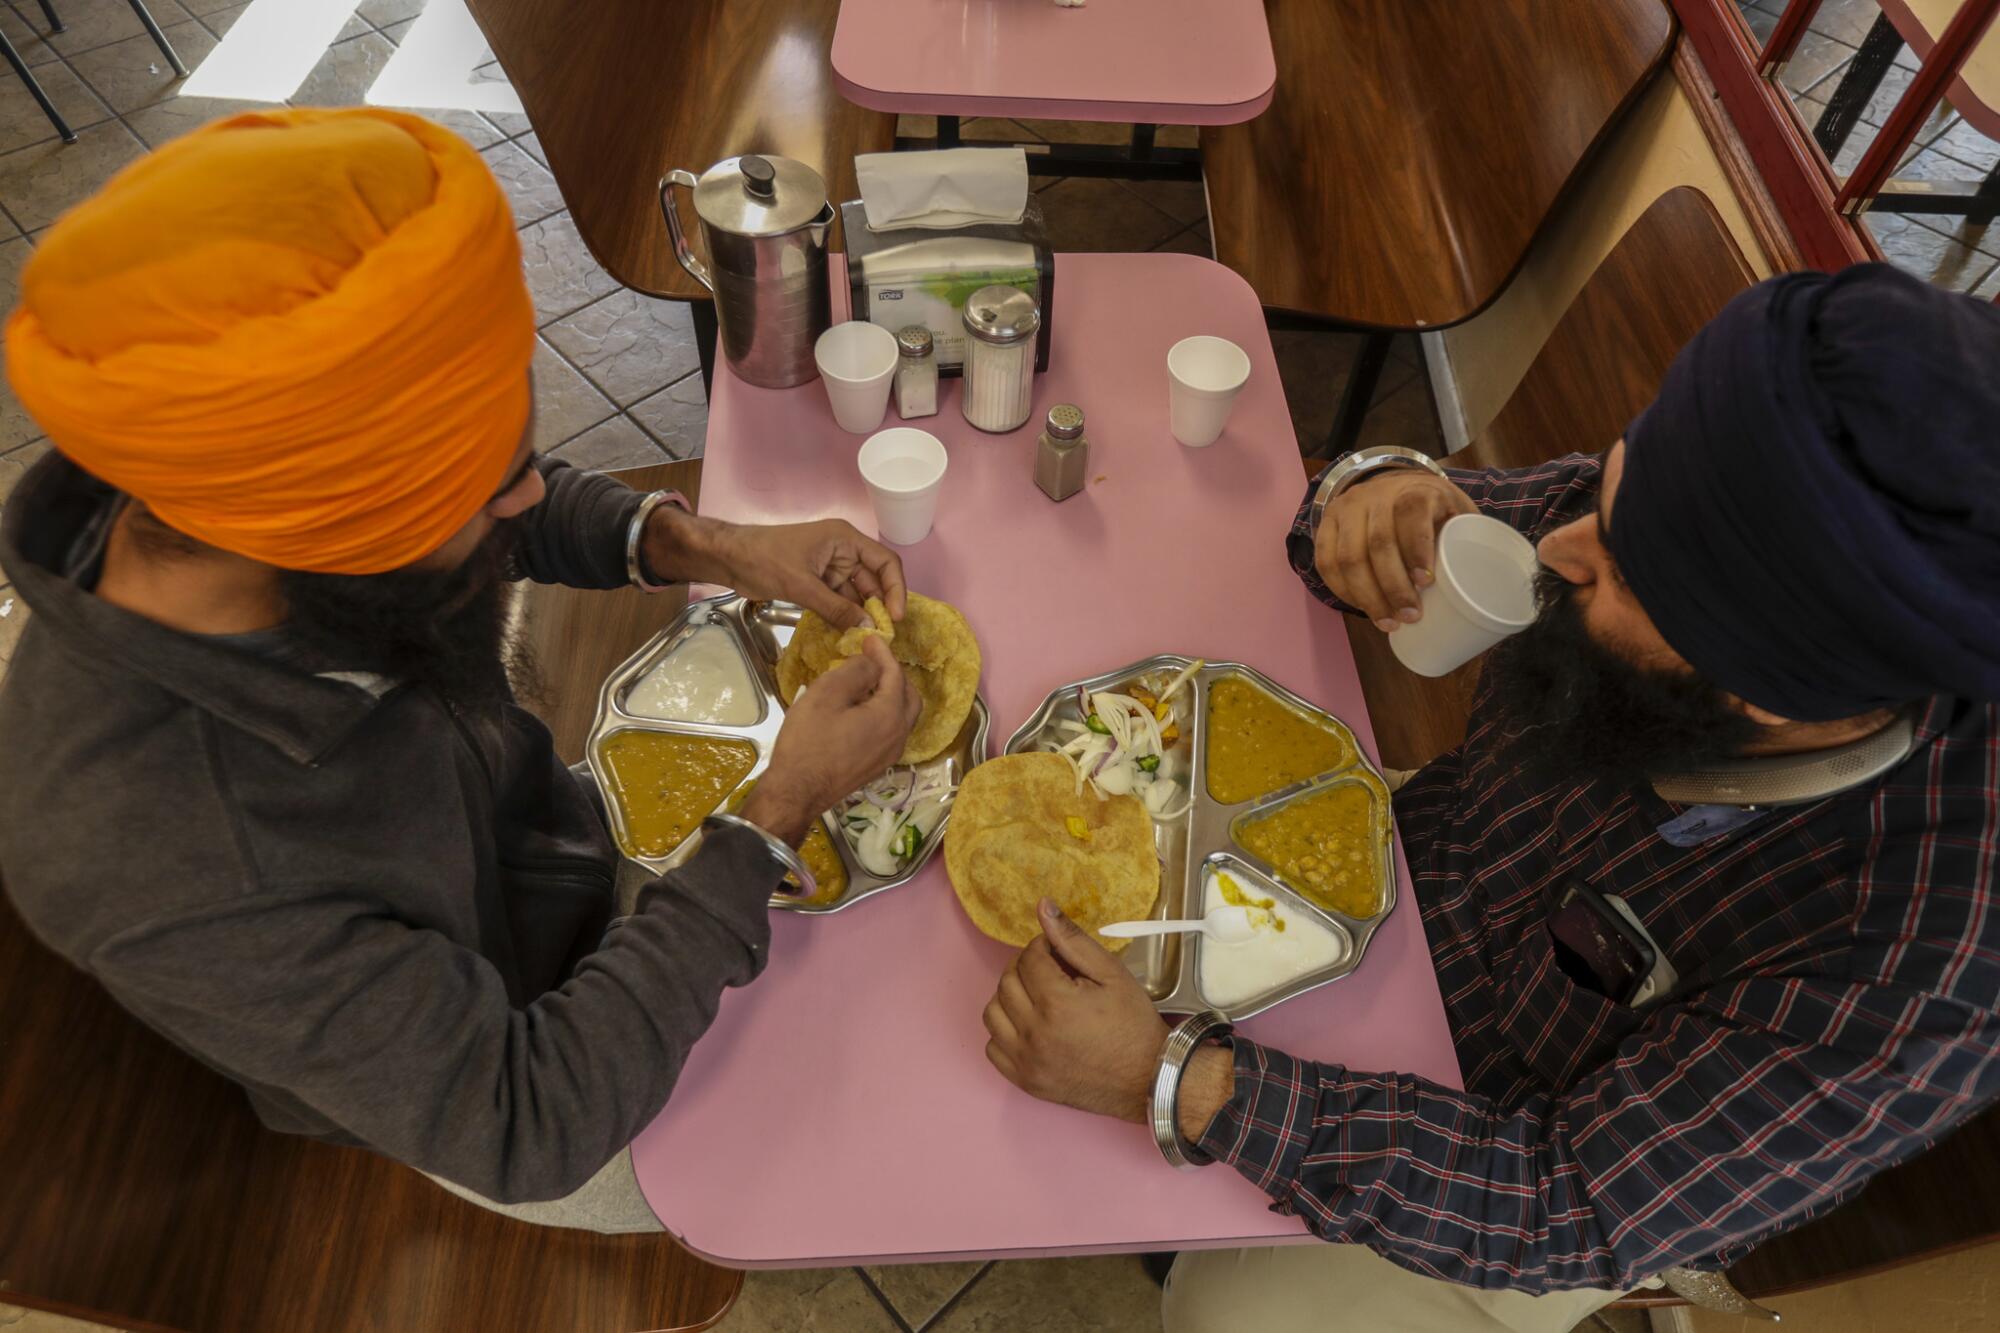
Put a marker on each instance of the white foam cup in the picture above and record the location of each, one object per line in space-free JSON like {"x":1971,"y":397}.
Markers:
{"x":1484,"y":591}
{"x":857,"y":361}
{"x":904,"y":469}
{"x":1204,"y":376}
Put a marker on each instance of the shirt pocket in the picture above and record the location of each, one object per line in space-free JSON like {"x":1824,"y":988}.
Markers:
{"x":1558,"y":1027}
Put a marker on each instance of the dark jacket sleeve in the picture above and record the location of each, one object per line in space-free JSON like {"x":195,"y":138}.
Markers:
{"x":1531,"y":500}
{"x":576,"y":536}
{"x":407,"y":1040}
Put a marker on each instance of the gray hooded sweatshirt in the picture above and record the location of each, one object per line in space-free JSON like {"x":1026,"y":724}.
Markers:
{"x":385,"y":919}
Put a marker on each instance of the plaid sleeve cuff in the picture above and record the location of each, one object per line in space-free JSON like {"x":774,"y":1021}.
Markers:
{"x":1299,"y":541}
{"x":1266,"y":1126}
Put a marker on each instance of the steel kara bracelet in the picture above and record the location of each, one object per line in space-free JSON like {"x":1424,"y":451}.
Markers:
{"x":635,"y":534}
{"x":1181,"y":1044}
{"x":1365,"y":463}
{"x":788,"y":860}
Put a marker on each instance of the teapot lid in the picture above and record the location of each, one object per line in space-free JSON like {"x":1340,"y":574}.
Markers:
{"x":756,"y":195}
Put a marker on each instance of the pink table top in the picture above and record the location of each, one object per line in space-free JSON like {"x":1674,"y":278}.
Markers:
{"x":1175,"y":62}
{"x":842,"y":1110}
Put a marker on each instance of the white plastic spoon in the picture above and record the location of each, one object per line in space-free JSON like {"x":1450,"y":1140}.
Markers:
{"x":1225,"y":925}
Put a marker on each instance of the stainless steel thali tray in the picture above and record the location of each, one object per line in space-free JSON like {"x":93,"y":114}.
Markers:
{"x":760,"y":631}
{"x":1169,"y":966}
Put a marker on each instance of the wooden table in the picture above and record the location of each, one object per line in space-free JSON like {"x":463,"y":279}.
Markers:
{"x":621,"y":91}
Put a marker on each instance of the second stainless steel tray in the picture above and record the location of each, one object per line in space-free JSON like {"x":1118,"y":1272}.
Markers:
{"x":1169,"y":965}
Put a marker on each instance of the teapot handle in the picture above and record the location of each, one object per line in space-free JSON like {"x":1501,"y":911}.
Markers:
{"x":682,"y":250}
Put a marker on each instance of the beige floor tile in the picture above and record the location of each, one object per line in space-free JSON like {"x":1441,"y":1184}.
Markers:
{"x":1989,"y":290}
{"x":1916,"y":248}
{"x":12,"y":468}
{"x":1193,"y":241}
{"x":530,"y":188}
{"x":1817,"y":57}
{"x":994,"y":129}
{"x":676,"y":416}
{"x":919,"y":1291}
{"x":394,"y":31}
{"x":16,"y":1319}
{"x":38,"y":183}
{"x":22,"y":121}
{"x":29,"y":43}
{"x":612,"y":444}
{"x":566,"y":405}
{"x":203,"y":8}
{"x":562,"y":276}
{"x":1955,"y":1293}
{"x":17,"y":428}
{"x":1110,"y":1294}
{"x":1969,"y":146}
{"x":1079,"y":131}
{"x":811,"y":1300}
{"x":13,"y":618}
{"x":169,"y":120}
{"x":348,"y":69}
{"x":1846,"y":20}
{"x":1101,"y":216}
{"x":93,"y":23}
{"x":384,"y":12}
{"x":631,"y":346}
{"x":1183,"y":201}
{"x":1178,"y":136}
{"x":133,"y":74}
{"x":531,"y":144}
{"x":916,"y":127}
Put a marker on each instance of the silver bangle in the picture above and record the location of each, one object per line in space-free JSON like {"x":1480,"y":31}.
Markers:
{"x":1342,"y":476}
{"x":635,"y":534}
{"x":788,"y":860}
{"x":1182,"y":1042}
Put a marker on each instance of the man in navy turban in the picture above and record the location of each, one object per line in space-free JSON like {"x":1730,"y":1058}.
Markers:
{"x":1708,"y":887}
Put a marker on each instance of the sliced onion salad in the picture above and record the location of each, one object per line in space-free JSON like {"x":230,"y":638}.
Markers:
{"x":1118,"y":748}
{"x":889,"y":821}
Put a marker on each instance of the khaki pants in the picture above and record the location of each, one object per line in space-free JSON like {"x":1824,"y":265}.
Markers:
{"x":1349,"y":1289}
{"x":609,"y":1203}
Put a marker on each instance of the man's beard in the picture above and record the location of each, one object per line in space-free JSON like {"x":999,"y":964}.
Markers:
{"x":445,"y":629}
{"x":1572,"y":710}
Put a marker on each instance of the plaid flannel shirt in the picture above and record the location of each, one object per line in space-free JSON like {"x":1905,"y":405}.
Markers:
{"x":1841,"y":971}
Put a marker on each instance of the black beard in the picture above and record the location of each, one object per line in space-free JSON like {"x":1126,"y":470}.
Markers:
{"x":1572,"y":710}
{"x":444,"y":629}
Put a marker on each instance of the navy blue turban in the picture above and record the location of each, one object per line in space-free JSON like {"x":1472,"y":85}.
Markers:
{"x":1810,"y":510}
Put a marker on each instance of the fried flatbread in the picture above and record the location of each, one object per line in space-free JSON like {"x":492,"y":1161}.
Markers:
{"x":932,"y":641}
{"x":1020,"y":832}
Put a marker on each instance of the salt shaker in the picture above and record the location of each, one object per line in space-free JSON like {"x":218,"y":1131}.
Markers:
{"x":1000,"y":327}
{"x":1063,"y":454}
{"x":916,"y":373}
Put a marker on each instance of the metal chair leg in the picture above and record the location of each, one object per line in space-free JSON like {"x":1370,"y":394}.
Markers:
{"x":55,"y":23}
{"x":159,"y":38}
{"x":1857,"y":86}
{"x":48,"y":107}
{"x":705,"y":329}
{"x":1359,"y":395}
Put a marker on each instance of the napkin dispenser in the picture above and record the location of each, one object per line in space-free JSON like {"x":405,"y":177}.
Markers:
{"x":901,"y":276}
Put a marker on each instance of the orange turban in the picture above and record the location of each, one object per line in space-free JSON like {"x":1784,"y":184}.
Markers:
{"x":301,"y":336}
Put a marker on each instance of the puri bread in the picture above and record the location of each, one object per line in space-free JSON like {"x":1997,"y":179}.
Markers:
{"x":933,"y":642}
{"x":1011,"y":843}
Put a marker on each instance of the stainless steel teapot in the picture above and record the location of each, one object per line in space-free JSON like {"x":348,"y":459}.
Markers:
{"x":764,"y":223}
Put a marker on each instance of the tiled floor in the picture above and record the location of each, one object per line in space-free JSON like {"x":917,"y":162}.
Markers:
{"x":1944,"y":250}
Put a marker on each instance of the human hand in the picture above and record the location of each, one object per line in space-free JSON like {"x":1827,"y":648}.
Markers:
{"x":1070,"y":1024}
{"x":1377,"y":543}
{"x":826,"y":566}
{"x":841,"y":733}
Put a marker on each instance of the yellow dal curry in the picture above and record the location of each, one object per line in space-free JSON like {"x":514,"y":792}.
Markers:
{"x":1257,"y":743}
{"x":665,"y":784}
{"x":1325,"y":846}
{"x":829,"y":871}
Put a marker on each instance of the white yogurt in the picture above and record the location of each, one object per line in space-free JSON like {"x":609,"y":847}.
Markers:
{"x":1234,"y":973}
{"x":704,"y":679}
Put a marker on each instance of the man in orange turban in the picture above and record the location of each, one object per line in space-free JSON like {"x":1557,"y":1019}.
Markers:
{"x":264,"y":774}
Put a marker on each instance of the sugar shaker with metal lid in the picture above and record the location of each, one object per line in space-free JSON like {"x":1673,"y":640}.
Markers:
{"x":1062,"y":456}
{"x":1000,"y":326}
{"x":916,"y":373}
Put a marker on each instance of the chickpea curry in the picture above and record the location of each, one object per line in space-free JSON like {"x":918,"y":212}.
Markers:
{"x":1325,"y":845}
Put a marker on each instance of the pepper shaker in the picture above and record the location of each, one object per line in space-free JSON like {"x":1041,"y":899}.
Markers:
{"x":1062,"y":456}
{"x":916,"y":373}
{"x":1000,"y":327}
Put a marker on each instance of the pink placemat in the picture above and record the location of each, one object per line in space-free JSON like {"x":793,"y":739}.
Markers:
{"x":1176,"y":62}
{"x":841,"y":1110}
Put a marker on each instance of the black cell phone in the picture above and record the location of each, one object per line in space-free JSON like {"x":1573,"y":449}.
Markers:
{"x":1598,"y":948}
